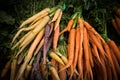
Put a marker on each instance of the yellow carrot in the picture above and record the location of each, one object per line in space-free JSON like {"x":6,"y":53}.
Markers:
{"x":58,"y":20}
{"x":55,"y":15}
{"x":56,"y":57}
{"x":5,"y":69}
{"x":25,"y":29}
{"x":13,"y":69}
{"x":38,"y":18}
{"x":30,"y":53}
{"x":35,"y":31}
{"x":34,"y":17}
{"x":39,"y":46}
{"x":54,"y":72}
{"x":20,"y":41}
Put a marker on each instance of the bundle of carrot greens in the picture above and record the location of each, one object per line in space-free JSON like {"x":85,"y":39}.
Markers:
{"x":77,"y":52}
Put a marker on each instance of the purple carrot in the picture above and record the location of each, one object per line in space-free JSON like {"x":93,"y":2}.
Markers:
{"x":35,"y":74}
{"x":46,"y":39}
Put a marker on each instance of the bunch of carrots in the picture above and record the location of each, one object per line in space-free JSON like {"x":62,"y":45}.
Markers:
{"x":33,"y":34}
{"x":77,"y":52}
{"x":116,"y":21}
{"x":89,"y":54}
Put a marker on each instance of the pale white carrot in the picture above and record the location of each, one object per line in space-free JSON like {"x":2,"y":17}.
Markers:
{"x":39,"y":46}
{"x":56,"y":15}
{"x":20,"y":41}
{"x":30,"y":53}
{"x":35,"y":31}
{"x":58,"y":20}
{"x":25,"y":29}
{"x":38,"y":18}
{"x":34,"y":17}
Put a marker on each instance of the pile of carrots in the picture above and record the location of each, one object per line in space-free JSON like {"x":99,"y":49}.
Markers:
{"x":78,"y":52}
{"x":116,"y":21}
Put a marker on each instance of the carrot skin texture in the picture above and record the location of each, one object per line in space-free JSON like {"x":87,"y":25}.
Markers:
{"x":68,"y":27}
{"x":71,"y":45}
{"x":55,"y":38}
{"x":115,"y":49}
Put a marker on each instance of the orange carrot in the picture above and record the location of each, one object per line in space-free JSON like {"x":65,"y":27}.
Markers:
{"x":80,"y":55}
{"x":117,"y":20}
{"x":115,"y":26}
{"x":116,"y":64}
{"x":91,"y":57}
{"x":55,"y":38}
{"x":117,"y":12}
{"x":115,"y":49}
{"x":77,"y":42}
{"x":95,"y":40}
{"x":62,"y":74}
{"x":68,"y":27}
{"x":86,"y":53}
{"x":103,"y":69}
{"x":71,"y":45}
{"x":43,"y":70}
{"x":95,"y":52}
{"x":110,"y":61}
{"x":90,"y":28}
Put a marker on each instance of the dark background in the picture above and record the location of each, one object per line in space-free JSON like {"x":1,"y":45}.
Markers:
{"x":13,"y":12}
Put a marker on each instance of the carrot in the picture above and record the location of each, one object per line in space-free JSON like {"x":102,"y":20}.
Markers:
{"x":5,"y":69}
{"x":115,"y":26}
{"x":86,"y":52}
{"x":55,"y":38}
{"x":35,"y":31}
{"x":28,"y":70}
{"x":13,"y":69}
{"x":51,"y":29}
{"x":71,"y":49}
{"x":35,"y":73}
{"x":91,"y":57}
{"x":115,"y":61}
{"x":34,"y":44}
{"x":46,"y":39}
{"x":54,"y":72}
{"x":103,"y":69}
{"x":39,"y":18}
{"x":58,"y":20}
{"x":117,"y":12}
{"x":25,"y":29}
{"x":56,"y":15}
{"x":109,"y":73}
{"x":90,"y":28}
{"x":62,"y":74}
{"x":80,"y":55}
{"x":56,"y":57}
{"x":30,"y":53}
{"x":115,"y":49}
{"x":68,"y":27}
{"x":110,"y":63}
{"x":97,"y":43}
{"x":20,"y":41}
{"x":43,"y":70}
{"x":54,"y":64}
{"x":64,"y":59}
{"x":39,"y":47}
{"x":34,"y":17}
{"x":77,"y":42}
{"x":117,"y":20}
{"x":95,"y":52}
